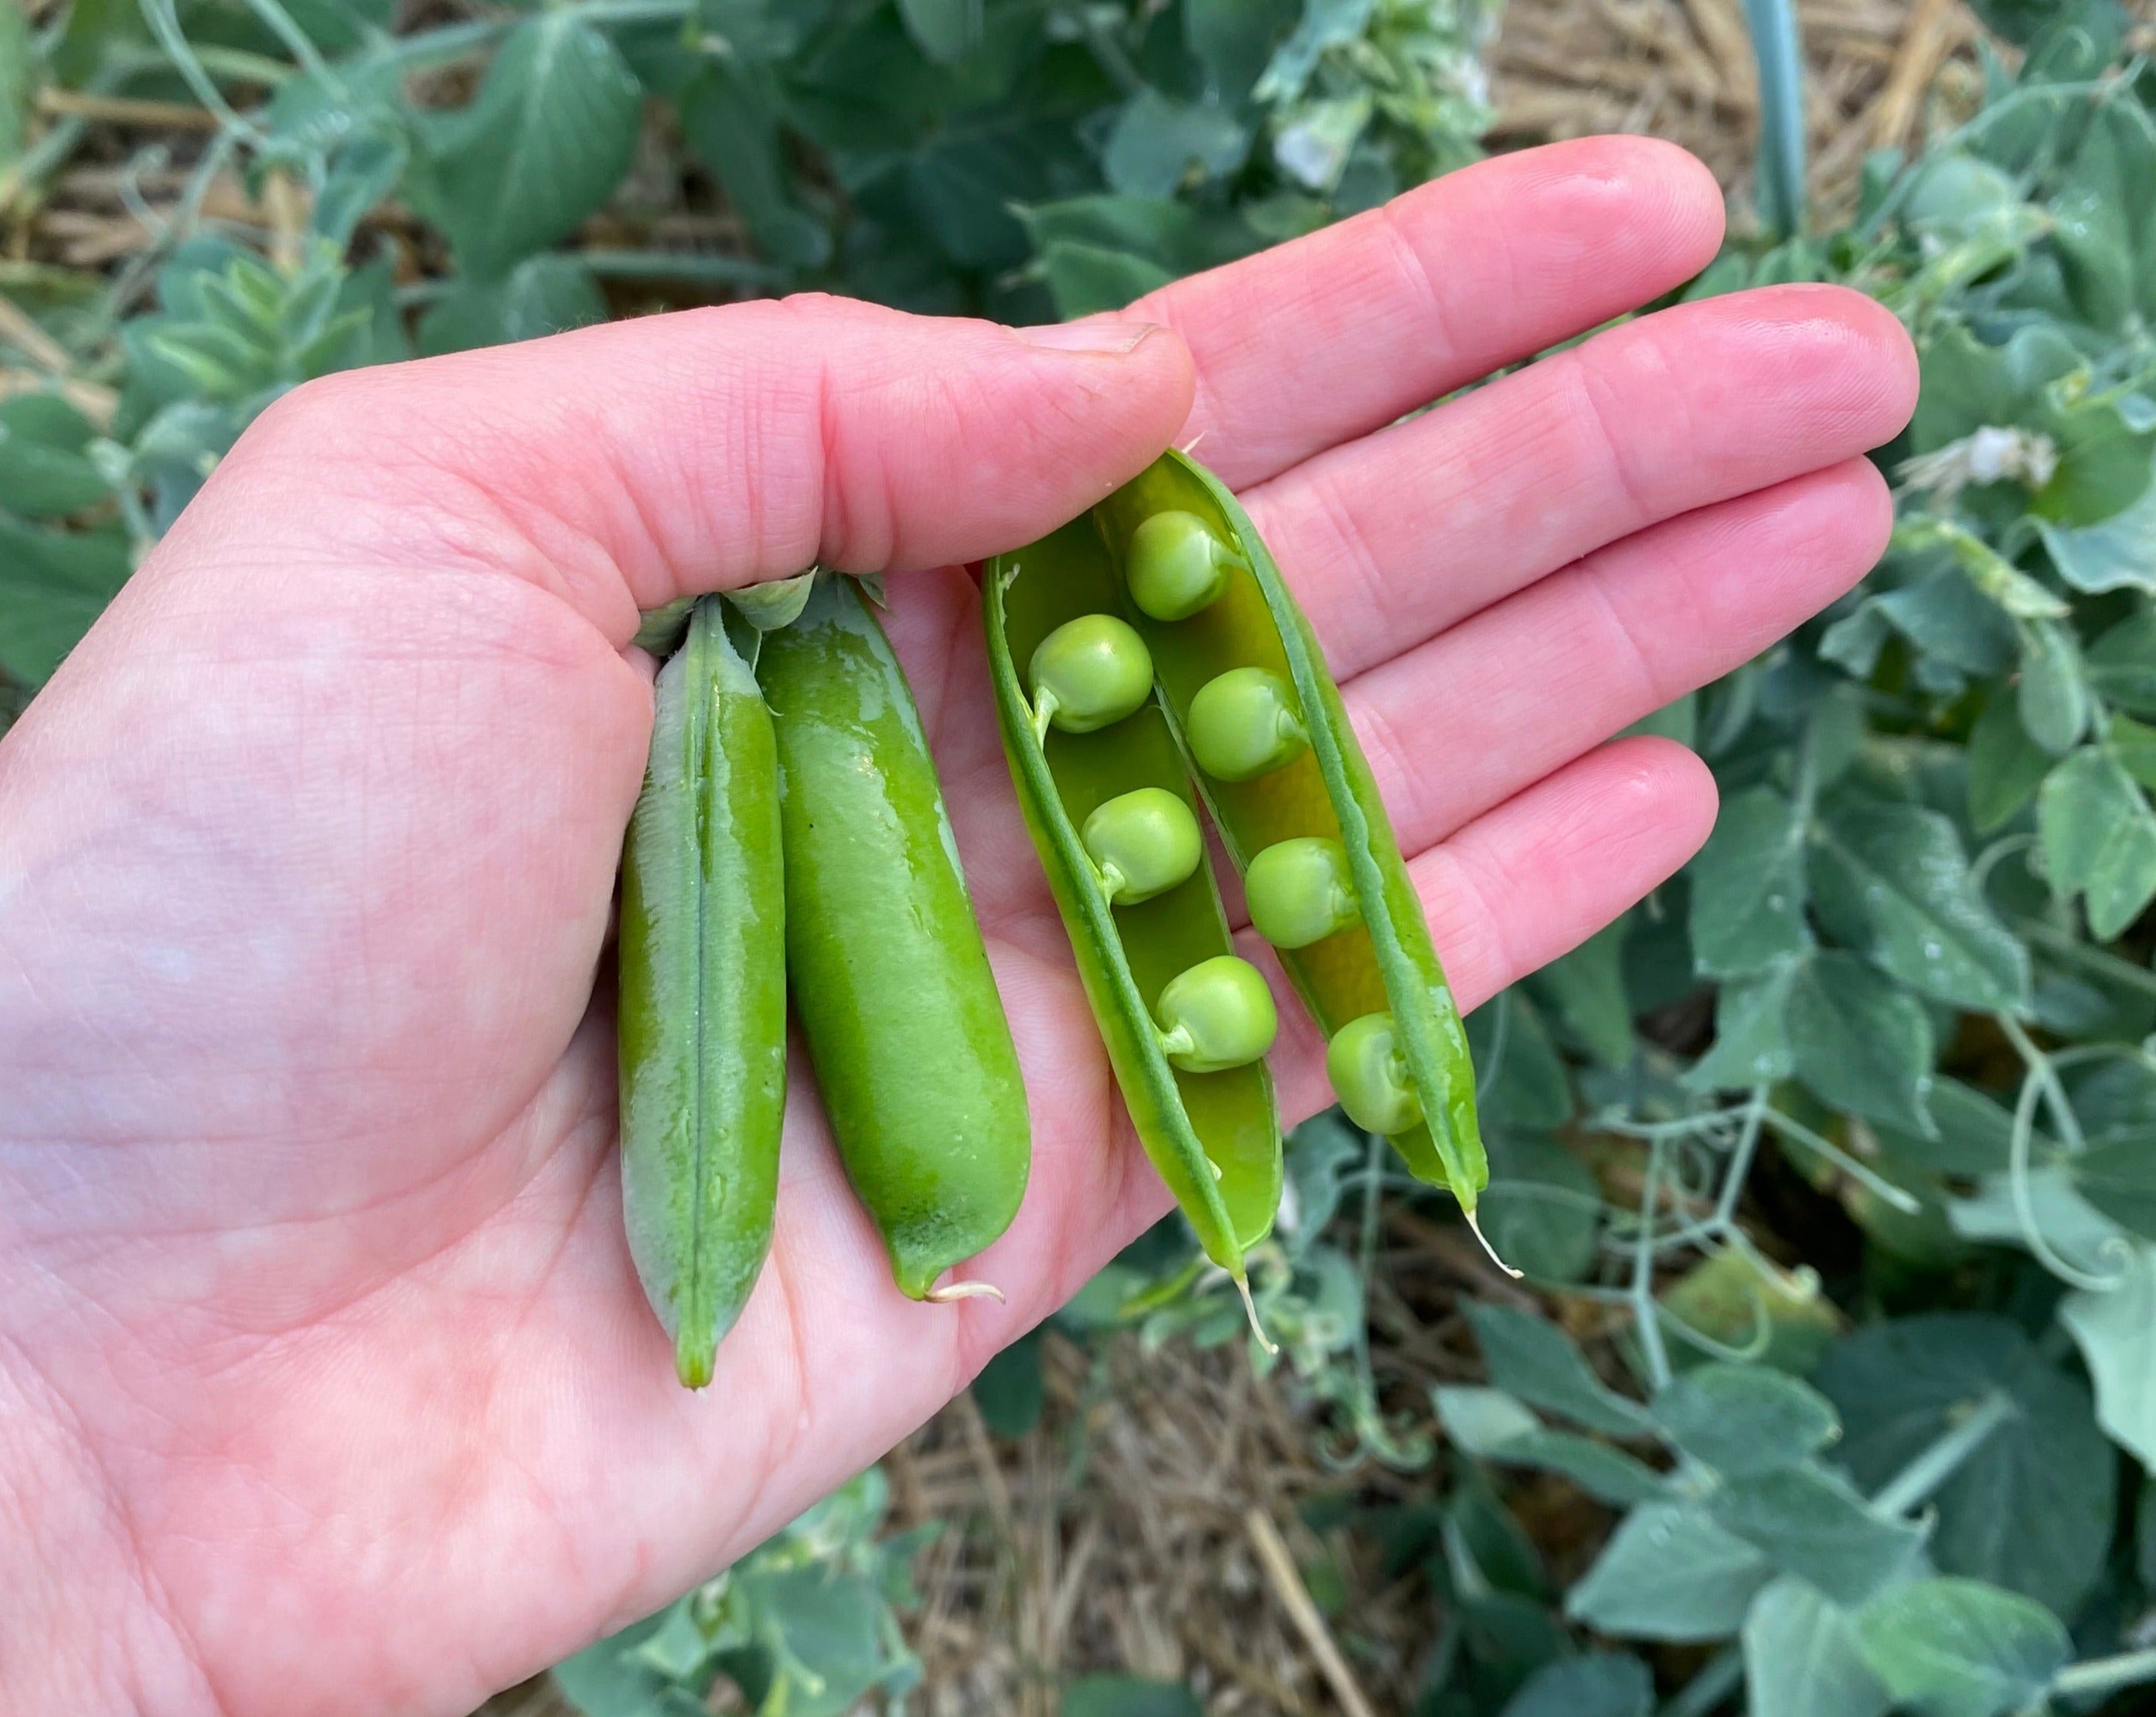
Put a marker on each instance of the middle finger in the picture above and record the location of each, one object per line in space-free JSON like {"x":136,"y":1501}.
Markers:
{"x":1388,"y":540}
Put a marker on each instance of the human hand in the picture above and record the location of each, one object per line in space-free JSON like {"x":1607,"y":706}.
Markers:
{"x":325,"y":1384}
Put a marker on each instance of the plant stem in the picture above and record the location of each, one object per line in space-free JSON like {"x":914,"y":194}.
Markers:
{"x":1781,"y":171}
{"x":2104,"y":1675}
{"x":1645,"y":1312}
{"x":1796,"y":1132}
{"x":1939,"y":1462}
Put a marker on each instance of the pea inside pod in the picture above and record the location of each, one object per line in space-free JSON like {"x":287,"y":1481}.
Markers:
{"x":1246,"y":688}
{"x":1098,"y":804}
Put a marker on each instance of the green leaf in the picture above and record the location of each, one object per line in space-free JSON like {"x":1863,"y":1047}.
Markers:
{"x":1811,"y":1524}
{"x":1802,"y":1658}
{"x":1734,"y":1298}
{"x":2005,"y":766}
{"x":1860,"y":1042}
{"x":730,"y":122}
{"x":1157,"y":144}
{"x":1524,"y":1080}
{"x":2117,"y":554}
{"x":947,"y":31}
{"x":1010,"y":1390}
{"x":543,"y":144}
{"x":2054,"y":701}
{"x":1607,"y":1474}
{"x":1744,"y":1420}
{"x":1480,"y":1421}
{"x":1669,"y":1572}
{"x":1752,"y":1044}
{"x":2121,"y":665}
{"x":45,"y":468}
{"x":2099,"y":837}
{"x":1961,"y":1649}
{"x":20,"y":73}
{"x":1972,"y":1134}
{"x":1747,"y":887}
{"x":1931,"y":928}
{"x":2116,"y":1334}
{"x":1538,"y":1362}
{"x":540,"y":295}
{"x":1588,"y":988}
{"x":52,"y":586}
{"x":1542,"y":1209}
{"x":2031,"y":1508}
{"x":608,"y":1679}
{"x":2133,"y":743}
{"x":1128,"y":1696}
{"x":1950,"y":621}
{"x":2118,"y":1176}
{"x":1593,"y":1685}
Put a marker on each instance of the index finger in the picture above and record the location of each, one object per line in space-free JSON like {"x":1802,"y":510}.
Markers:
{"x":1328,"y":337}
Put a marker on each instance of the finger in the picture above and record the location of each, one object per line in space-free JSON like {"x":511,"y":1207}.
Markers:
{"x":1397,"y":537}
{"x":1326,"y":338}
{"x":621,"y":466}
{"x":1530,"y":881}
{"x":1513,"y":692}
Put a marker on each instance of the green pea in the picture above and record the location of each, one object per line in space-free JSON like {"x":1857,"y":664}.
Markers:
{"x":1242,"y":724}
{"x":700,"y":1009}
{"x":1218,"y":1014}
{"x":1144,"y":843}
{"x":1369,"y":1076}
{"x":1089,"y":673}
{"x":891,"y":979}
{"x":1301,"y":891}
{"x":1177,"y":565}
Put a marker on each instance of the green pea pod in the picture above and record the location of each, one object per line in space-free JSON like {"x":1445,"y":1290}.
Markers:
{"x":1290,"y":769}
{"x":1214,"y":1136}
{"x":890,"y":978}
{"x":701,"y":1020}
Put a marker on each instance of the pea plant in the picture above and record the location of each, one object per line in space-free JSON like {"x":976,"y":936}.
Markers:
{"x":1833,"y":1163}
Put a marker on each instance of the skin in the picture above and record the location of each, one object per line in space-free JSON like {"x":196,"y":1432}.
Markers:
{"x":324,"y":1383}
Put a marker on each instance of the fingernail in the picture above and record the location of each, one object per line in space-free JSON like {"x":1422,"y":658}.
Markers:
{"x":1109,"y":338}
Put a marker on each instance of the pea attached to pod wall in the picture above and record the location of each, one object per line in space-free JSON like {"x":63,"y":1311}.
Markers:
{"x":891,"y":979}
{"x":1089,"y":673}
{"x":1244,"y":723}
{"x":1176,"y":567}
{"x":1108,"y":808}
{"x":1301,"y":890}
{"x":701,"y":1016}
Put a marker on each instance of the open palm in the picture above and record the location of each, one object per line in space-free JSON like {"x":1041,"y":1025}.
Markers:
{"x":325,"y":1384}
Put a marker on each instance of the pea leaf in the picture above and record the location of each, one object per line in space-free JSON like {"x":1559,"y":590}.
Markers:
{"x":1930,"y":927}
{"x":53,"y":585}
{"x":1802,"y":1658}
{"x":1607,"y":1474}
{"x":2099,"y":837}
{"x":1669,"y":1572}
{"x":540,"y":295}
{"x":2116,"y":1332}
{"x":1752,"y":1042}
{"x":1587,"y":989}
{"x":1745,"y":1420}
{"x":1535,"y":1360}
{"x":1480,"y":1421}
{"x":609,"y":1680}
{"x":543,"y":144}
{"x":1158,"y":143}
{"x":1747,"y":887}
{"x":1542,"y":1209}
{"x":45,"y":468}
{"x":2053,"y":698}
{"x":2031,"y":1508}
{"x":1010,"y":1390}
{"x":1813,"y":1526}
{"x":1593,"y":1685}
{"x":2005,"y":766}
{"x":2117,"y":554}
{"x":1860,"y":1042}
{"x":2121,"y":665}
{"x":1961,"y":1649}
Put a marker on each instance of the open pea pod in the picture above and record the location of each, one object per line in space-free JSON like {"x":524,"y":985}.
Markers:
{"x":1255,"y":710}
{"x":1214,"y":1136}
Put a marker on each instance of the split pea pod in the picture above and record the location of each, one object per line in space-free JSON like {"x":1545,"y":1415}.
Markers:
{"x":701,"y":1020}
{"x":1112,"y":813}
{"x":1247,"y":691}
{"x":890,"y":980}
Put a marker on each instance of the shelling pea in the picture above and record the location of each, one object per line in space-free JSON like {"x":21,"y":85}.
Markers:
{"x":1144,"y":842}
{"x":1218,"y":1014}
{"x":1370,"y":1078}
{"x":1242,"y":724}
{"x":1088,"y":674}
{"x":1213,"y":1137}
{"x":1301,"y":890}
{"x":1176,"y":566}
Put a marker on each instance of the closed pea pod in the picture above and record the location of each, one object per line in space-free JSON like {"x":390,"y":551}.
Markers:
{"x":891,"y":979}
{"x":1246,"y":688}
{"x":700,"y":1016}
{"x":1212,"y":1133}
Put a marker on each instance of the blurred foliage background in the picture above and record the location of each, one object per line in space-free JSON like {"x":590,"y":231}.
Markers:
{"x":1832,"y":1388}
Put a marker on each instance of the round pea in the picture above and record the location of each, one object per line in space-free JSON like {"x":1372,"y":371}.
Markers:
{"x":1216,"y":1014}
{"x":1090,"y":672}
{"x":1300,"y":892}
{"x":1243,"y":724}
{"x":1176,"y":565}
{"x":1369,"y":1076}
{"x":1143,"y":842}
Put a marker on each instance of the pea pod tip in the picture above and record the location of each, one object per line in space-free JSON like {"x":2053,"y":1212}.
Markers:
{"x":1251,"y":1310}
{"x":1484,"y":1241}
{"x":953,"y":1291}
